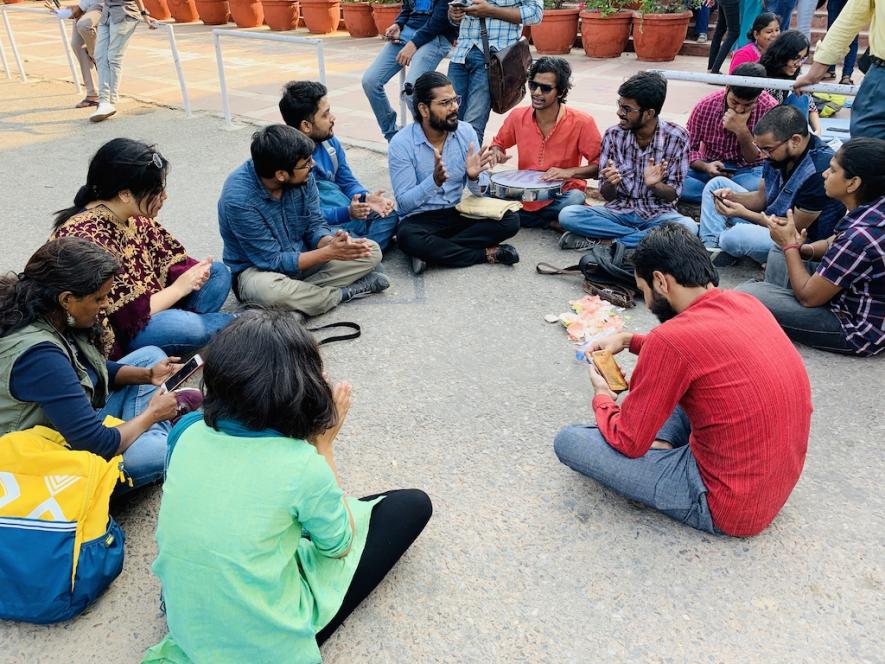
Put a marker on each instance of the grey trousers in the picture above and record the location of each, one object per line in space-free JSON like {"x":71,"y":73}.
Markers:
{"x":110,"y":45}
{"x":83,"y":45}
{"x":817,"y":327}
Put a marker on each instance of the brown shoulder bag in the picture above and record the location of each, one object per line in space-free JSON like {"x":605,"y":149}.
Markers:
{"x":508,"y":70}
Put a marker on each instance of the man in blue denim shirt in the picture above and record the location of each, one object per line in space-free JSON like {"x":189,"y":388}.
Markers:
{"x":276,"y":243}
{"x":345,"y":203}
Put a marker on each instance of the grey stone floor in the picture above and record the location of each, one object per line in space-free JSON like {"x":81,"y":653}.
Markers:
{"x":459,"y":388}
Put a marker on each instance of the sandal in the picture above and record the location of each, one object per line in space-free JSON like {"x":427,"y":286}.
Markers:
{"x":86,"y":102}
{"x":846,"y":80}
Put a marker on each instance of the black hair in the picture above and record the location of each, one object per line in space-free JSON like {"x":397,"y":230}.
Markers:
{"x":673,"y":249}
{"x":300,"y":101}
{"x":785,"y":48}
{"x":422,"y":91}
{"x":782,"y":122}
{"x":66,"y":264}
{"x":648,"y":89}
{"x":119,"y":165}
{"x":864,"y":158}
{"x":753,"y":69}
{"x":558,"y":66}
{"x":760,"y":23}
{"x":278,"y":148}
{"x":264,"y":370}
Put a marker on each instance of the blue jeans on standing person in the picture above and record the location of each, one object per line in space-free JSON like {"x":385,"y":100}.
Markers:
{"x":702,"y":19}
{"x":628,"y":228}
{"x":471,"y":82}
{"x":834,"y":7}
{"x":546,"y":215}
{"x":110,"y":45}
{"x":735,"y":236}
{"x":185,"y":330}
{"x":667,"y":480}
{"x":143,"y":460}
{"x":868,"y":112}
{"x":746,"y":176}
{"x":385,"y":67}
{"x":782,"y":9}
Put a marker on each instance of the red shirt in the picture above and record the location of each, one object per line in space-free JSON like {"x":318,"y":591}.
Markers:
{"x":574,"y":135}
{"x":745,"y":390}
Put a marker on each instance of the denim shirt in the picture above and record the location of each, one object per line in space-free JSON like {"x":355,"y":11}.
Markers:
{"x":264,"y":232}
{"x":411,"y":160}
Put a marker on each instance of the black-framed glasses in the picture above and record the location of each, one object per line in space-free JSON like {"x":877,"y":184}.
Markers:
{"x":768,"y":151}
{"x":450,"y":102}
{"x":545,"y":88}
{"x":627,"y":110}
{"x":308,"y":165}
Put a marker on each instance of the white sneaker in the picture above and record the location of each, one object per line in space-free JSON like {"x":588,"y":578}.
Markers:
{"x":103,"y":112}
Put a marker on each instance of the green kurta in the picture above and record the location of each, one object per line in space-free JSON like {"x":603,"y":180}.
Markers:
{"x":240,"y":581}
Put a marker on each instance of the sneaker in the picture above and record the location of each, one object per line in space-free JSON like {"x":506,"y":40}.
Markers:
{"x":374,"y":282}
{"x":576,"y":242}
{"x":505,"y":254}
{"x":103,"y":112}
{"x":720,"y":258}
{"x":188,"y":399}
{"x":702,"y":38}
{"x":380,"y":269}
{"x":418,"y":266}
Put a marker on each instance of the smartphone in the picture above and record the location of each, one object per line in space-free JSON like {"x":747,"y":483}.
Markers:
{"x":177,"y":379}
{"x":605,"y":362}
{"x":458,"y":3}
{"x":727,"y":173}
{"x":397,"y":42}
{"x":719,"y":197}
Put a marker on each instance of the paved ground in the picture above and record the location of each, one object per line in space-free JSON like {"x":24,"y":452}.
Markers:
{"x":460,"y":387}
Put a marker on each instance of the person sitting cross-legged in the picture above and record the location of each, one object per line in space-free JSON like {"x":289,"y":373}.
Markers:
{"x":431,"y":161}
{"x":642,"y":168}
{"x":553,"y":138}
{"x":276,"y":242}
{"x":734,"y":221}
{"x":714,"y":429}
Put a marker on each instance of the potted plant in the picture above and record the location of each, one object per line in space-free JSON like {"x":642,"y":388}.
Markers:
{"x":280,"y":14}
{"x":247,"y":13}
{"x":605,"y":28}
{"x":321,"y":16}
{"x":213,"y":12}
{"x":158,"y":9}
{"x":660,"y":30}
{"x":358,"y":19}
{"x":555,"y":34}
{"x":183,"y":11}
{"x":384,"y":12}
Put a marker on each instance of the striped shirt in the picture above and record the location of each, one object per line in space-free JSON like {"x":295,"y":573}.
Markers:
{"x":710,"y":141}
{"x":670,"y":142}
{"x":856,"y":262}
{"x":501,"y":33}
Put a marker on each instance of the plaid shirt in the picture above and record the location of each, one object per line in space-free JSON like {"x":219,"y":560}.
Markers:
{"x":669,"y":142}
{"x":856,"y":262}
{"x":501,"y":33}
{"x":710,"y":141}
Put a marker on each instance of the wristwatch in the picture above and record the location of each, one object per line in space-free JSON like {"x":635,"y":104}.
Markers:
{"x":145,"y":12}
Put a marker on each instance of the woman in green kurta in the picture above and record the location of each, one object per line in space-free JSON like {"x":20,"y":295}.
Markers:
{"x":261,"y":555}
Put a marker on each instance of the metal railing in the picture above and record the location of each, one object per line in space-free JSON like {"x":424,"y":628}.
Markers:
{"x":754,"y":82}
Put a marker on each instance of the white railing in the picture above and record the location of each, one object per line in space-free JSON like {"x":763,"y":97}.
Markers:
{"x":754,"y":82}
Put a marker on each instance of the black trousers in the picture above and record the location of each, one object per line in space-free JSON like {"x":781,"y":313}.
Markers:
{"x":396,"y":522}
{"x":729,"y":25}
{"x":444,"y":237}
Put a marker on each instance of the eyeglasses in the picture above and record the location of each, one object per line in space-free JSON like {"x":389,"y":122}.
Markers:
{"x":627,"y":110}
{"x":800,"y":59}
{"x":768,"y":151}
{"x":449,"y":103}
{"x":306,"y":166}
{"x":156,"y":160}
{"x":545,"y":88}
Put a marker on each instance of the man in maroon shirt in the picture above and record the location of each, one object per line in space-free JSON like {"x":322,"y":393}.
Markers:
{"x":714,"y":429}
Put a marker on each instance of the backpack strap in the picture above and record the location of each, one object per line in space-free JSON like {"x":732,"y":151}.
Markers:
{"x":547,"y":268}
{"x":333,"y":155}
{"x":340,"y":337}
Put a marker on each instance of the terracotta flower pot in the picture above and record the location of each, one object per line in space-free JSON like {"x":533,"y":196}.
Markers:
{"x":605,"y":36}
{"x":384,"y":16}
{"x":158,"y":9}
{"x":556,"y":32}
{"x":658,"y":37}
{"x":247,"y":13}
{"x":321,"y":16}
{"x":280,"y":14}
{"x":183,"y":11}
{"x":11,"y":2}
{"x":358,"y":19}
{"x":213,"y":12}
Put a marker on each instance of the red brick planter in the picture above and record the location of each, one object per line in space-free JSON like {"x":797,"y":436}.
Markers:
{"x":555,"y":34}
{"x":658,"y":37}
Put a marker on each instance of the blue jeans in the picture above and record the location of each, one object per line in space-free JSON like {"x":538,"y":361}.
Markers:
{"x":629,"y":228}
{"x":549,"y":213}
{"x":783,"y":9}
{"x":110,"y":45}
{"x":385,"y":68}
{"x":867,"y":114}
{"x":375,"y":227}
{"x":702,"y":20}
{"x":834,"y":7}
{"x":748,"y":177}
{"x":667,"y":480}
{"x":733,"y":235}
{"x":179,"y":332}
{"x":143,"y":460}
{"x":471,"y":82}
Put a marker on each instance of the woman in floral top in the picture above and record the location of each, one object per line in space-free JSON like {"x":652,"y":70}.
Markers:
{"x":161,"y":297}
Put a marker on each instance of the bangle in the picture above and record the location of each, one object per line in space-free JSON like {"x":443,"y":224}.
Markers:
{"x":793,"y":245}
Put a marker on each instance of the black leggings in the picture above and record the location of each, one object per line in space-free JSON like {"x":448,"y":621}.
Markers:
{"x":730,"y":20}
{"x":396,"y":522}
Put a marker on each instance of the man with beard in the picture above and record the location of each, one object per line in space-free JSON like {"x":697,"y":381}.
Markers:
{"x":431,"y":161}
{"x":714,"y":429}
{"x":346,"y":204}
{"x":734,"y":221}
{"x":276,"y":243}
{"x":552,"y":138}
{"x":642,"y":166}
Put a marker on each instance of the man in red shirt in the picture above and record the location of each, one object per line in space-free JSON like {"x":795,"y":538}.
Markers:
{"x":550,"y":138}
{"x":714,"y":429}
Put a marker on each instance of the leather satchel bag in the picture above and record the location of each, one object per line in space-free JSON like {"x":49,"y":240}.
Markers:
{"x":507,"y":69}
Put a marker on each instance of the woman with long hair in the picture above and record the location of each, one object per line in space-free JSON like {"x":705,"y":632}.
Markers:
{"x":52,"y":372}
{"x":260,"y":553}
{"x":160,"y":297}
{"x":765,"y":30}
{"x":784,"y":59}
{"x":830,"y":294}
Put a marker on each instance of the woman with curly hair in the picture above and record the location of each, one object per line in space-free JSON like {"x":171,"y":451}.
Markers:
{"x":784,"y":59}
